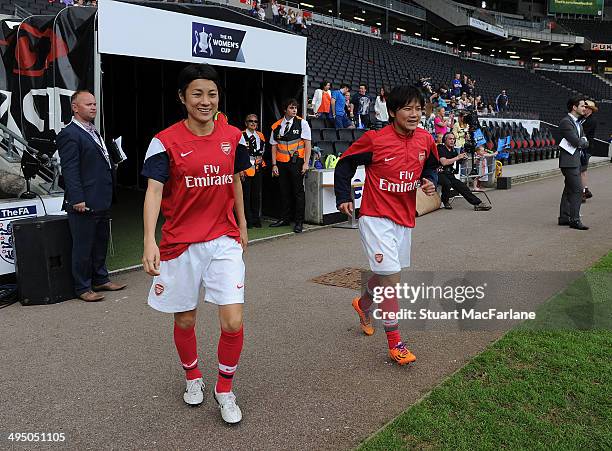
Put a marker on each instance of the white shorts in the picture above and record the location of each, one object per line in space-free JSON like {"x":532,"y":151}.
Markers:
{"x":386,"y":243}
{"x":216,"y":265}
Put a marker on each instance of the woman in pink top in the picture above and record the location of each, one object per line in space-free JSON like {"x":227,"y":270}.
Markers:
{"x":442,"y":124}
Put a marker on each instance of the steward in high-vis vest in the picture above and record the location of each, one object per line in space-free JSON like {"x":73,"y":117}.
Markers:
{"x":254,"y":141}
{"x":290,"y":140}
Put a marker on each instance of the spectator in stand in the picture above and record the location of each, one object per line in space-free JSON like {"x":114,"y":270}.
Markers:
{"x":464,"y":84}
{"x":464,"y":102}
{"x":349,"y":108}
{"x":456,"y":84}
{"x":261,"y":13}
{"x":282,"y":15}
{"x":299,"y":23}
{"x":491,"y":110}
{"x":443,"y":92}
{"x":380,"y":108}
{"x":291,"y":19}
{"x":589,"y":126}
{"x":442,"y":124}
{"x":479,"y":105}
{"x":321,"y":101}
{"x":460,"y":130}
{"x":501,"y":101}
{"x":361,"y":107}
{"x":338,"y":104}
{"x":275,"y":14}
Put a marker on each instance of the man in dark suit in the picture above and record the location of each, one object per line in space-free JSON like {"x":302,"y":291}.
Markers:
{"x":573,"y":138}
{"x":87,"y":171}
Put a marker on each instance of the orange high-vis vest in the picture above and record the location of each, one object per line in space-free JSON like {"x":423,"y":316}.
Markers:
{"x":256,"y":159}
{"x":291,"y":142}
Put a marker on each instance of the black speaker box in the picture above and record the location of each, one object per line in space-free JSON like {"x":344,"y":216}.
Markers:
{"x":43,"y":248}
{"x":504,"y":183}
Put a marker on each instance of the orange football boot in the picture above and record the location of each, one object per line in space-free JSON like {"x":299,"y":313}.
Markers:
{"x":401,"y":354}
{"x":364,"y":321}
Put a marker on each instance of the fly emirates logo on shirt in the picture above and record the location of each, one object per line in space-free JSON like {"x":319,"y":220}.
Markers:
{"x":211,"y":177}
{"x":406,"y":183}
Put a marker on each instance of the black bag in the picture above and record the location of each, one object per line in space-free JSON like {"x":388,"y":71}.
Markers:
{"x":584,"y":157}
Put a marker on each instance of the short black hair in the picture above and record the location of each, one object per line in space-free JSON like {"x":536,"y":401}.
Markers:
{"x":78,"y":92}
{"x":364,"y":85}
{"x":323,"y":83}
{"x":344,"y":85}
{"x":197,"y":72}
{"x":401,"y":96}
{"x":290,"y":102}
{"x":572,"y":102}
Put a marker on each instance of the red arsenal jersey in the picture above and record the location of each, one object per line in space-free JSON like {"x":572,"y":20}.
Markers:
{"x":198,"y":174}
{"x":394,"y":167}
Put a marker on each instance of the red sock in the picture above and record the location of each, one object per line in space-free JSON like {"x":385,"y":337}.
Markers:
{"x":365,"y":301}
{"x":390,"y":305}
{"x":186,"y":345}
{"x":393,"y":337}
{"x":228,"y":351}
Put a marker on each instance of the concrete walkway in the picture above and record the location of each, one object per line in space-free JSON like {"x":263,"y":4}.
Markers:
{"x":107,"y":374}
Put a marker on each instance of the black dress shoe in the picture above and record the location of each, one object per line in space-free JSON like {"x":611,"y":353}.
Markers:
{"x":578,"y":225}
{"x":299,"y":227}
{"x":447,"y":206}
{"x":564,"y":222}
{"x":587,"y":193}
{"x":280,"y":223}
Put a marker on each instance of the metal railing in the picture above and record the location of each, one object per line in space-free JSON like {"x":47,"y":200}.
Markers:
{"x":13,"y":144}
{"x":21,"y":12}
{"x":562,"y":68}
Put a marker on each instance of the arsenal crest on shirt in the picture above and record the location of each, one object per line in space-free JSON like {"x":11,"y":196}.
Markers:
{"x":226,"y":148}
{"x":159,"y":289}
{"x":379,"y":258}
{"x":422,"y":154}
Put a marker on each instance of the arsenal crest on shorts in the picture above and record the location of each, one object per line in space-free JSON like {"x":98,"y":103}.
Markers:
{"x":422,"y":154}
{"x":159,"y":289}
{"x":379,"y":258}
{"x":226,"y":148}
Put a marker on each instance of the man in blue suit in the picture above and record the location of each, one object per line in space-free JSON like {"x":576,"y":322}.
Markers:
{"x":87,"y":171}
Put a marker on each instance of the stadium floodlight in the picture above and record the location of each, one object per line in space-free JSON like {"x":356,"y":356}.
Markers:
{"x":535,"y":41}
{"x":461,"y":45}
{"x":483,"y":4}
{"x":329,"y":11}
{"x":571,"y":61}
{"x":557,"y":59}
{"x":417,"y":34}
{"x":510,"y":52}
{"x":525,"y":40}
{"x":434,"y":39}
{"x":477,"y":48}
{"x":361,"y":19}
{"x":579,"y":61}
{"x":449,"y":42}
{"x":401,"y":29}
{"x":565,"y":45}
{"x":379,"y":24}
{"x":307,"y":5}
{"x":602,"y":61}
{"x":514,"y":57}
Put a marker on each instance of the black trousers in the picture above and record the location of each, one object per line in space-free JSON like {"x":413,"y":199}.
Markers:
{"x":251,"y":193}
{"x":292,"y":190}
{"x":571,"y":199}
{"x":448,"y":181}
{"x":90,"y":234}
